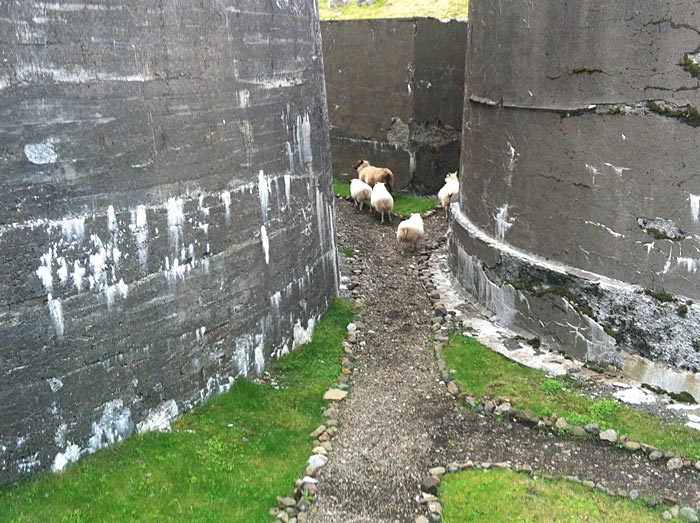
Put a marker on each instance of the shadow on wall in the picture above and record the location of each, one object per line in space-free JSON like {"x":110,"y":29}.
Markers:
{"x":395,"y":92}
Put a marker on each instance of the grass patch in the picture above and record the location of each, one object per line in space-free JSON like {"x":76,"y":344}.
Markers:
{"x":341,"y":188}
{"x":662,"y":296}
{"x":483,"y":372}
{"x":225,"y":461}
{"x":404,"y":204}
{"x":496,"y":496}
{"x":395,"y":9}
{"x":345,"y":251}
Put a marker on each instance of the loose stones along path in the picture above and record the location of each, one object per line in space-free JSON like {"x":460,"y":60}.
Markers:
{"x":399,"y":420}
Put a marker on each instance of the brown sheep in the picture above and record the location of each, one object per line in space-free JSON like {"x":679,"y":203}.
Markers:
{"x":371,"y":175}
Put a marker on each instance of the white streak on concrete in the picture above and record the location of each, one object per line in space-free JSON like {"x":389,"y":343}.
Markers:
{"x":55,"y":384}
{"x":159,"y":418}
{"x":264,"y":192}
{"x":176,"y":219}
{"x":62,"y":270}
{"x":45,"y":270}
{"x":56,"y":313}
{"x":78,"y":274}
{"x":607,"y":229}
{"x":243,"y":98}
{"x":112,"y":224}
{"x":114,"y":424}
{"x":225,"y":198}
{"x":618,"y":170}
{"x":513,"y":156}
{"x":503,"y":222}
{"x":70,"y":455}
{"x":265,"y":243}
{"x":694,"y":206}
{"x":139,"y":228}
{"x":691,"y":264}
{"x":73,"y":229}
{"x":41,"y":153}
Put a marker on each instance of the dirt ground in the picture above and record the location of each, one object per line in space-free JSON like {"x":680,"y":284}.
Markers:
{"x":399,"y":419}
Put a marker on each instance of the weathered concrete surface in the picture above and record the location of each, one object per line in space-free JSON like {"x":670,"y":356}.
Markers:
{"x":579,"y":175}
{"x":166,"y":220}
{"x":395,"y":97}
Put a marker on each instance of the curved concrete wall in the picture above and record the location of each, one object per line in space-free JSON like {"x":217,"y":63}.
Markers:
{"x":579,"y":199}
{"x":166,"y":218}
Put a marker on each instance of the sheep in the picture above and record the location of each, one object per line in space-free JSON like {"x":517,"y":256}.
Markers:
{"x":410,"y":232}
{"x":381,"y":201}
{"x":361,"y":192}
{"x":371,"y":175}
{"x":448,"y":191}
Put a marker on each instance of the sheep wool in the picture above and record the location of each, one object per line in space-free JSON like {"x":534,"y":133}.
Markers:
{"x":410,"y":232}
{"x":449,"y":191}
{"x":381,"y":201}
{"x":361,"y":192}
{"x":371,"y":175}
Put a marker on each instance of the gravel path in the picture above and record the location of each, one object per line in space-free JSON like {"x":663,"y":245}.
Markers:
{"x":399,"y":419}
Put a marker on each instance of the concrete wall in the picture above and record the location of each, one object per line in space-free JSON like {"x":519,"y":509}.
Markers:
{"x":395,"y":97}
{"x":579,"y":175}
{"x":166,"y":219}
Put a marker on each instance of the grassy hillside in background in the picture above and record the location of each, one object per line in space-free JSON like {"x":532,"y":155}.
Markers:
{"x":395,"y":9}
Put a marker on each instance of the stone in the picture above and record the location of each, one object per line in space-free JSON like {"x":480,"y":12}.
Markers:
{"x":302,"y":517}
{"x":429,"y":484}
{"x":286,"y":501}
{"x":588,"y":484}
{"x":422,"y":519}
{"x":427,"y":498}
{"x":578,"y":431}
{"x":688,"y":514}
{"x":697,"y":465}
{"x":666,"y":516}
{"x":327,"y":445}
{"x":335,"y":395}
{"x":452,"y":388}
{"x":608,"y":435}
{"x":283,"y":516}
{"x":316,"y":433}
{"x":527,"y":469}
{"x":319,"y":450}
{"x":674,"y":464}
{"x":632,"y":446}
{"x":561,"y":424}
{"x":274,"y":511}
{"x":634,"y":494}
{"x":436,"y":508}
{"x":656,"y":455}
{"x":503,"y":409}
{"x":437,"y":471}
{"x":453,"y":467}
{"x":592,"y":428}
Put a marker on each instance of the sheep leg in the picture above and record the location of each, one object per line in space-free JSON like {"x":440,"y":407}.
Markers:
{"x":382,"y":216}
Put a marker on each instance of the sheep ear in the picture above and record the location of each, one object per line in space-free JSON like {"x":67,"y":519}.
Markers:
{"x":358,"y":164}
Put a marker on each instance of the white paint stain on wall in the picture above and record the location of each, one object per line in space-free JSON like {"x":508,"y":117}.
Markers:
{"x":159,"y":418}
{"x":606,"y":228}
{"x":694,"y":206}
{"x":243,"y":98}
{"x":176,"y":219}
{"x":302,"y":140}
{"x":73,"y":229}
{"x":618,"y":170}
{"x":264,"y":193}
{"x":41,"y":153}
{"x":139,"y":228}
{"x":503,"y":222}
{"x":265,"y":243}
{"x":513,"y":157}
{"x":225,"y":198}
{"x":56,"y":313}
{"x":70,"y":455}
{"x":691,"y":264}
{"x":114,"y":424}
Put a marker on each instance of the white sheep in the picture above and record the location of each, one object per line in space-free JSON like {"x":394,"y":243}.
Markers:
{"x":381,"y":201}
{"x":410,"y":232}
{"x":449,"y":191}
{"x":361,"y":192}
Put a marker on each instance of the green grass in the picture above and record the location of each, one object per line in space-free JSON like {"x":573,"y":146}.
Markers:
{"x":404,"y":204}
{"x":496,"y":496}
{"x":395,"y":9}
{"x":483,"y":372}
{"x":225,"y":461}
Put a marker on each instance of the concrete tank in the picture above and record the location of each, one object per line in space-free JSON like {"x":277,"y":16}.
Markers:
{"x":579,"y":212}
{"x":166,"y":217}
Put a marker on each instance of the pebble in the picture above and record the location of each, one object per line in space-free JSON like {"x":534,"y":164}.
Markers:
{"x":561,"y":424}
{"x":608,"y":435}
{"x":422,"y":519}
{"x":452,"y":388}
{"x":436,"y":508}
{"x":577,"y":431}
{"x":335,"y":395}
{"x":592,"y":428}
{"x":316,"y":433}
{"x":674,"y":464}
{"x":429,"y":484}
{"x":634,"y":494}
{"x":632,"y":446}
{"x":656,"y":455}
{"x":437,"y":471}
{"x":319,"y":450}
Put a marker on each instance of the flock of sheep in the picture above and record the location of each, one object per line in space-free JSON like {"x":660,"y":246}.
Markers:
{"x":374,"y":185}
